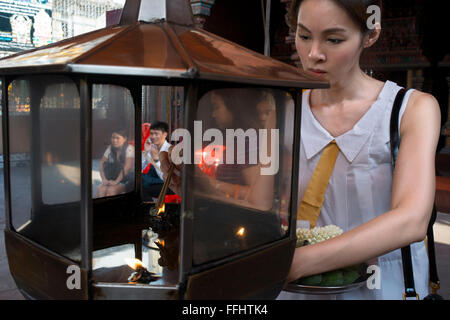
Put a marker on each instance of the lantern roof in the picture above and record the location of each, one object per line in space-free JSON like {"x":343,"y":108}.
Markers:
{"x":157,"y":38}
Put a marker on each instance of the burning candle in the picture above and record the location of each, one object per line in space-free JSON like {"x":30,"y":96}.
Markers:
{"x":135,"y":263}
{"x":162,"y":209}
{"x":141,"y":274}
{"x":241,"y":232}
{"x":241,"y":236}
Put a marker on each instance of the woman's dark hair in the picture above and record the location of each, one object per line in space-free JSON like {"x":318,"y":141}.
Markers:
{"x":123,"y":133}
{"x":242,"y":105}
{"x":356,"y":10}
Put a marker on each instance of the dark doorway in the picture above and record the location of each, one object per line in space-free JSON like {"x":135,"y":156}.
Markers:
{"x":240,"y":21}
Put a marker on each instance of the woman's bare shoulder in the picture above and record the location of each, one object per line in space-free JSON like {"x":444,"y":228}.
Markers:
{"x":420,"y":98}
{"x":421,"y":108}
{"x":421,"y":102}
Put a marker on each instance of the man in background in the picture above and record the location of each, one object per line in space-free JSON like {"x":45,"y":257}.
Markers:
{"x":153,"y":181}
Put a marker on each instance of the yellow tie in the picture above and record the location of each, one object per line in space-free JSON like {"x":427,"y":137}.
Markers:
{"x":315,"y":192}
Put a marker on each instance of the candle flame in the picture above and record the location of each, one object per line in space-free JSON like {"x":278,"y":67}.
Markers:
{"x":135,"y":263}
{"x":241,"y":232}
{"x":162,"y":209}
{"x":161,"y":242}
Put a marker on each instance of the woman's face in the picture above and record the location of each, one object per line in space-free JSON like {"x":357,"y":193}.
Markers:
{"x":265,"y":109}
{"x":328,"y":42}
{"x":221,"y":114}
{"x":117,"y":140}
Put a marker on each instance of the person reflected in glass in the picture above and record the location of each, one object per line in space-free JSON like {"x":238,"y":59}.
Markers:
{"x":235,"y":109}
{"x":152,"y":179}
{"x":117,"y":166}
{"x":266,"y":109}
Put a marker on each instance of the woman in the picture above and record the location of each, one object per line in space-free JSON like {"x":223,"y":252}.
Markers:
{"x":380,"y":212}
{"x":117,"y":166}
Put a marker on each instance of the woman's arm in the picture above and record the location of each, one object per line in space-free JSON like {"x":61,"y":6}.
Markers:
{"x":101,"y":171}
{"x":412,"y":200}
{"x":261,"y":188}
{"x":128,"y":166}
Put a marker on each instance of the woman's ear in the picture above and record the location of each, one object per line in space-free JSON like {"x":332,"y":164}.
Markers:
{"x":373,"y":36}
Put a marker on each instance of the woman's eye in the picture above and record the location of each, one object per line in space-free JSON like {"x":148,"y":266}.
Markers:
{"x":334,"y":41}
{"x":303,"y":37}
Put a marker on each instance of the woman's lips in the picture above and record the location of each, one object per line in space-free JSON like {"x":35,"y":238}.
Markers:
{"x":317,"y":72}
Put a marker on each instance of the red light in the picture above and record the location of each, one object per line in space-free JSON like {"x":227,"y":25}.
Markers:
{"x":216,"y":155}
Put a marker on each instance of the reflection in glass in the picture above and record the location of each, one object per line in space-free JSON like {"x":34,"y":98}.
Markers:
{"x":241,"y":182}
{"x":113,"y":142}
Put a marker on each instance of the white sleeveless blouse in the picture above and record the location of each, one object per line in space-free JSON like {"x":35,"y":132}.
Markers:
{"x":360,"y":189}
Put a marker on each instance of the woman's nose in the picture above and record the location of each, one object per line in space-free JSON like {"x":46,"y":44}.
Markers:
{"x":316,"y":53}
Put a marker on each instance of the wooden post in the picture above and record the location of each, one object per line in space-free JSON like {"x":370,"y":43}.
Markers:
{"x":409,"y":80}
{"x":417,"y":79}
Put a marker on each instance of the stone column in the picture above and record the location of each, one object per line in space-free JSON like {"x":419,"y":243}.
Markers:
{"x":201,"y":9}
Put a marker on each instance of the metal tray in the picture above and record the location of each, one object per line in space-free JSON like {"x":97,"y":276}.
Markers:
{"x":322,"y":290}
{"x":319,"y":290}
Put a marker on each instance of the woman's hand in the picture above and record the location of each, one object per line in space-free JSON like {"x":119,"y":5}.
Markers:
{"x":113,"y":182}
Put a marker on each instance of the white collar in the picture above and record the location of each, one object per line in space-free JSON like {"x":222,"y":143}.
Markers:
{"x":315,"y":137}
{"x":165,"y":147}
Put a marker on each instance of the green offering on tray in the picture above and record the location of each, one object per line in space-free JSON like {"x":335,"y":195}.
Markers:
{"x":332,"y":279}
{"x":350,"y":277}
{"x":335,"y":278}
{"x":314,"y":280}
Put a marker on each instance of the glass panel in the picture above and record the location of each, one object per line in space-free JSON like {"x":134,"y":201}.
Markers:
{"x":117,"y":234}
{"x":243,"y":166}
{"x":44,"y":133}
{"x":162,"y":111}
{"x":113,"y":158}
{"x":20,"y":145}
{"x":60,"y":143}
